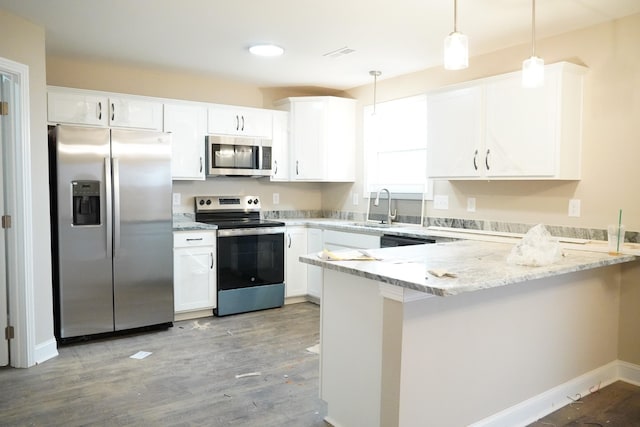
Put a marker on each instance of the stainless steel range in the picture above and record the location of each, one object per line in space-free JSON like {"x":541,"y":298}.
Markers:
{"x":250,"y":253}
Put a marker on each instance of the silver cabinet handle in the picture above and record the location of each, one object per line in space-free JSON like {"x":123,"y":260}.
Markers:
{"x":237,"y":122}
{"x":211,"y":254}
{"x":200,"y":163}
{"x":289,"y":245}
{"x":242,"y":123}
{"x":475,"y":155}
{"x":113,"y":111}
{"x":297,"y":169}
{"x":486,"y":159}
{"x":116,"y":206}
{"x":275,"y":163}
{"x":99,"y":110}
{"x":108,"y":207}
{"x":194,"y":240}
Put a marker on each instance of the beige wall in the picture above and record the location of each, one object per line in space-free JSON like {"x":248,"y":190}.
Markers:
{"x":611,"y":144}
{"x":23,"y":42}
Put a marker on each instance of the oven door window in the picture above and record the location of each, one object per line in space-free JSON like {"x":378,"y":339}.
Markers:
{"x":245,"y":261}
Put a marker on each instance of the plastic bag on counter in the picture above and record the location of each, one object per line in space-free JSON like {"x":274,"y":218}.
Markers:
{"x":538,"y":247}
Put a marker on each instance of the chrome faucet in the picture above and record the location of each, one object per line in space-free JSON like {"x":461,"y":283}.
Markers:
{"x":377,"y":202}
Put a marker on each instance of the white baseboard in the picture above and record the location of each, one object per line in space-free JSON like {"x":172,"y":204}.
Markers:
{"x":45,"y":351}
{"x":530,"y":410}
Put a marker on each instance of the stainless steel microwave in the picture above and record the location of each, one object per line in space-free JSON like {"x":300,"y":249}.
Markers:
{"x":238,"y":156}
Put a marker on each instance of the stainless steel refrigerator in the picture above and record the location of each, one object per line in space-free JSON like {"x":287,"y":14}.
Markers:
{"x":112,"y":229}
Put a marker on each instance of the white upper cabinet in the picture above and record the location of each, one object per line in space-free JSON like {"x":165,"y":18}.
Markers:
{"x":135,"y":113}
{"x":188,"y":126}
{"x":280,"y":147}
{"x":321,"y":138}
{"x":493,"y":128}
{"x":228,"y":120}
{"x":75,"y":106}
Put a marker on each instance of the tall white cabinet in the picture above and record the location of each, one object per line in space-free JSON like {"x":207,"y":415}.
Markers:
{"x":321,"y":138}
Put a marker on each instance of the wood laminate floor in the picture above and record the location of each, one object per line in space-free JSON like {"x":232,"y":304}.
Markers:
{"x":188,"y":380}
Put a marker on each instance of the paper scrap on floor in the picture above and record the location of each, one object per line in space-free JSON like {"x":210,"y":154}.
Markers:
{"x":140,"y":355}
{"x":249,"y":374}
{"x":314,"y":349}
{"x":346,"y":256}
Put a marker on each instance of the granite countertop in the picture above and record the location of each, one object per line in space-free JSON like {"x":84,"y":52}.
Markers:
{"x":185,"y":222}
{"x":477,"y":265}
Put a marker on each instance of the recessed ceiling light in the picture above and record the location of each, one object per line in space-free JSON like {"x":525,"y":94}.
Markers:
{"x":266,"y":50}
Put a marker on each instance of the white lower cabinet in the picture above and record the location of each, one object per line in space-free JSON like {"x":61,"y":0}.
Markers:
{"x":295,"y":271}
{"x":194,"y":270}
{"x":314,"y":274}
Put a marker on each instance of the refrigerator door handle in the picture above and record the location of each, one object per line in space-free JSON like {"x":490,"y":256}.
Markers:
{"x":108,"y":207}
{"x":116,"y":206}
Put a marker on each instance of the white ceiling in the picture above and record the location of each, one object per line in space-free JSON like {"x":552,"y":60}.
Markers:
{"x":212,"y":36}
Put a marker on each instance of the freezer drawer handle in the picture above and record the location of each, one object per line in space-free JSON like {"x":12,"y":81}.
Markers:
{"x":194,"y":240}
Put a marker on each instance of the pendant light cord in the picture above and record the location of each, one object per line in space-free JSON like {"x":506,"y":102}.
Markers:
{"x":533,"y":28}
{"x":455,"y":16}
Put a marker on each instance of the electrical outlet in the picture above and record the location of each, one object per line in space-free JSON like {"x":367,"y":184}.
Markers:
{"x":441,"y":202}
{"x":276,"y":198}
{"x":355,"y":199}
{"x":574,"y":207}
{"x":176,"y":199}
{"x":471,"y":204}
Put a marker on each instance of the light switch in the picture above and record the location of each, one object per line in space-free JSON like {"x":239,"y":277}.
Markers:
{"x":276,"y":198}
{"x":355,"y":199}
{"x":471,"y":204}
{"x":574,"y":207}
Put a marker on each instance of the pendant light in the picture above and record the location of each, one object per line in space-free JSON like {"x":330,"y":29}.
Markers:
{"x":375,"y":75}
{"x":533,"y":68}
{"x":456,"y":46}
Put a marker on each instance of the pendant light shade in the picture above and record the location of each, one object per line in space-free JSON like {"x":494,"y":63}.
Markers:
{"x":533,"y":67}
{"x":456,"y":46}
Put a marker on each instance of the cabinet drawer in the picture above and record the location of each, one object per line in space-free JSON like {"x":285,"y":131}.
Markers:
{"x":185,"y":239}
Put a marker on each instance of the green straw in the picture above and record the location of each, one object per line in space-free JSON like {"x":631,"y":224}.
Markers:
{"x":619,"y":226}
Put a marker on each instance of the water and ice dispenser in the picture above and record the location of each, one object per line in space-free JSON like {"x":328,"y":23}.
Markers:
{"x":86,"y":202}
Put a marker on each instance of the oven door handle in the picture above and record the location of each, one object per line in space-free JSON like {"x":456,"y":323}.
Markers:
{"x":251,"y":231}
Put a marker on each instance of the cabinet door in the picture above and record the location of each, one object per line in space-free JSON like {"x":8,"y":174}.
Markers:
{"x":238,"y":121}
{"x":314,"y":273}
{"x":520,"y":132}
{"x":307,"y":134}
{"x":280,"y":147}
{"x":72,"y":108}
{"x":296,"y":272}
{"x":187,"y":124}
{"x":454,"y":132}
{"x":134,"y":113}
{"x":339,"y":139}
{"x":194,"y":278}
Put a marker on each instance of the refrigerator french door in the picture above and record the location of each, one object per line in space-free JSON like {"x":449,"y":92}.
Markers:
{"x":113,"y":230}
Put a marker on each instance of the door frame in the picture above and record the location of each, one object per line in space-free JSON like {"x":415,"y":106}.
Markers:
{"x":20,"y":248}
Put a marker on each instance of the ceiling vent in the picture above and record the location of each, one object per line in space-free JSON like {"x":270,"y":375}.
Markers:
{"x":339,"y":52}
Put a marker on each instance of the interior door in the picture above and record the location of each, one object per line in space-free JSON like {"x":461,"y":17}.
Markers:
{"x":5,"y":82}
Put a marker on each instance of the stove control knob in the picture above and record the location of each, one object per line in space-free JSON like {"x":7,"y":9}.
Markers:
{"x":249,"y":201}
{"x":201,"y":202}
{"x":208,"y":202}
{"x":255,"y":201}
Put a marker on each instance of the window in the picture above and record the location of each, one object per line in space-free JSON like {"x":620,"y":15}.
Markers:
{"x":395,"y":147}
